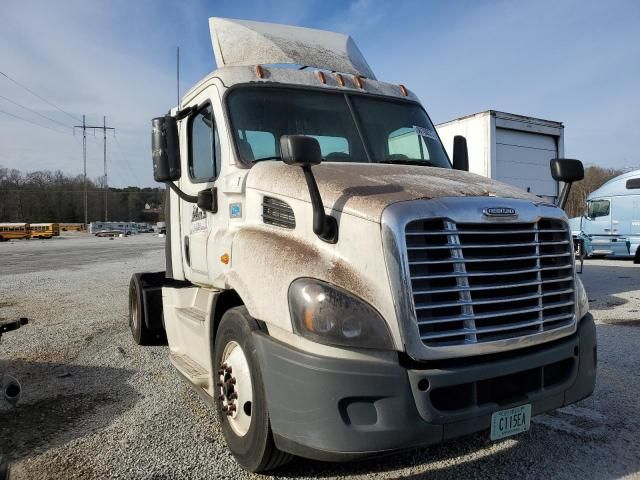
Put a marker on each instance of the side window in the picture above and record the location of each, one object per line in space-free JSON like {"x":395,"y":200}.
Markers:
{"x":204,"y":146}
{"x":598,"y":208}
{"x":406,"y":143}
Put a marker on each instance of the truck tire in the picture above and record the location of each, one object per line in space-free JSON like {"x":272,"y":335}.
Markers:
{"x":241,"y":398}
{"x":141,"y":334}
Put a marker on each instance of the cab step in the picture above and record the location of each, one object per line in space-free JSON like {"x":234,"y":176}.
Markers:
{"x":192,"y":314}
{"x":195,"y":372}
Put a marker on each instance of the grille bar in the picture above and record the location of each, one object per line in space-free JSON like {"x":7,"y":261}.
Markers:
{"x":491,"y":287}
{"x":499,"y":245}
{"x":488,"y":259}
{"x":478,"y":282}
{"x":491,"y":273}
{"x":534,"y":296}
{"x":497,"y":314}
{"x":483,"y":232}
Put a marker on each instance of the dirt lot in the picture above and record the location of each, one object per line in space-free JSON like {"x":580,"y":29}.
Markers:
{"x":97,"y":406}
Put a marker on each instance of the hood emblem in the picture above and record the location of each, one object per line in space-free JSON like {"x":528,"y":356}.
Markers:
{"x":500,"y":212}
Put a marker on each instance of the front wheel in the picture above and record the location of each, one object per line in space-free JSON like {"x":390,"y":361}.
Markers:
{"x":141,"y":334}
{"x":241,"y":399}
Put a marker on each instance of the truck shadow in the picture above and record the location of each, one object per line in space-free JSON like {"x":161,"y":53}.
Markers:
{"x":605,"y":282}
{"x":525,"y":457}
{"x":60,"y":403}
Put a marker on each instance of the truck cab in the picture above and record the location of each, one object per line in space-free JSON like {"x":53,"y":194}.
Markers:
{"x":610,"y":226}
{"x":334,"y":287}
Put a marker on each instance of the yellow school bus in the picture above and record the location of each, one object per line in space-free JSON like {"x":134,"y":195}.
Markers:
{"x":72,"y":227}
{"x":14,"y":231}
{"x":45,"y":230}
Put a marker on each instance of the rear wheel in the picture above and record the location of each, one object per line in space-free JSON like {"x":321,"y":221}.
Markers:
{"x":241,"y":402}
{"x":141,"y":334}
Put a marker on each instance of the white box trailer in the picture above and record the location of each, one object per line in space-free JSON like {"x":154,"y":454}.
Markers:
{"x":510,"y":148}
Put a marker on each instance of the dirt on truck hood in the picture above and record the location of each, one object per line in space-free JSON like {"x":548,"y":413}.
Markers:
{"x":366,"y":189}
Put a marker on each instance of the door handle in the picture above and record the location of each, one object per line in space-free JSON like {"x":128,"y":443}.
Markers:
{"x":187,"y":255}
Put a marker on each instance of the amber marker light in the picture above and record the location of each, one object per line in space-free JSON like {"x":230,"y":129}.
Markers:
{"x":308,"y":319}
{"x":321,"y":77}
{"x":404,"y":90}
{"x":359,"y":81}
{"x":340,"y":79}
{"x":259,"y":71}
{"x":224,"y":258}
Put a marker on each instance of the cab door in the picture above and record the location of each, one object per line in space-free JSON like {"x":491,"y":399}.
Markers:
{"x":597,"y":226}
{"x":201,"y":153}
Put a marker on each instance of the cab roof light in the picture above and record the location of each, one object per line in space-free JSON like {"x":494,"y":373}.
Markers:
{"x":404,"y":90}
{"x":321,"y":77}
{"x":259,"y":71}
{"x":340,"y":79}
{"x":359,"y":81}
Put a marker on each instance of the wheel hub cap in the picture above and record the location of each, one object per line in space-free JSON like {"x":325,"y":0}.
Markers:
{"x":235,"y":389}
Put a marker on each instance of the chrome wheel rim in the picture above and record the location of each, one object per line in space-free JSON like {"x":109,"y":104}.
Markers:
{"x":235,"y":388}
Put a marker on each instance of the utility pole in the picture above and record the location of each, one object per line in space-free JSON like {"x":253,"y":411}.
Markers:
{"x":104,"y":129}
{"x":106,"y":183}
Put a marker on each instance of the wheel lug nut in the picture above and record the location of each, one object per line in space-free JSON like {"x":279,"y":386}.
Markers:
{"x":221,"y":397}
{"x":225,"y":408}
{"x":219,"y":384}
{"x":233,"y":396}
{"x":232,"y":380}
{"x":232,"y":408}
{"x":227,"y":369}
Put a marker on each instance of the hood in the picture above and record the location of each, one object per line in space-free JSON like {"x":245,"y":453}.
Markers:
{"x":365,"y":189}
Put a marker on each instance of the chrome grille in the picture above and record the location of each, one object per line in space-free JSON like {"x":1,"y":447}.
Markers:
{"x":479,"y":282}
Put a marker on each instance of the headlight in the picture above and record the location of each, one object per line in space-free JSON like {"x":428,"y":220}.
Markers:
{"x":327,"y":314}
{"x":582,"y":300}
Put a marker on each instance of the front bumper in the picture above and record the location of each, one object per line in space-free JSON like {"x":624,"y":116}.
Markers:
{"x":337,"y":409}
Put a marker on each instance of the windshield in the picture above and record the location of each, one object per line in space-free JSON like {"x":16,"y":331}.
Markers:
{"x":349,"y":128}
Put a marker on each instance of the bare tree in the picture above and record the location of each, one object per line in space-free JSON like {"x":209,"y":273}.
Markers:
{"x":594,"y":178}
{"x":45,"y":196}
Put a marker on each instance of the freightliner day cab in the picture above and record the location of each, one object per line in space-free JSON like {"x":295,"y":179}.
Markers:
{"x":335,"y":286}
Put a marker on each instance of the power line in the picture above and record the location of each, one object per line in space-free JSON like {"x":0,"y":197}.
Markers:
{"x":32,"y":122}
{"x":104,"y":129}
{"x":111,"y":192}
{"x":41,"y":98}
{"x":34,"y":112}
{"x":126,"y":160}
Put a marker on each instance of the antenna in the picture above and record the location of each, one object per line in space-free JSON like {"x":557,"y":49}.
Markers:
{"x":178,"y":74}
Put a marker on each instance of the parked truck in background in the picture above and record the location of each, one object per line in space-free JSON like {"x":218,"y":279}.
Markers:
{"x":335,"y":286}
{"x":610,"y":226}
{"x":513,"y":149}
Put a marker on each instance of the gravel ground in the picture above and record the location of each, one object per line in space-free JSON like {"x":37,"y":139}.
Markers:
{"x":97,"y":406}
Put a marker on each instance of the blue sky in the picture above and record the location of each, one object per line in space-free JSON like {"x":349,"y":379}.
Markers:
{"x":573,"y":61}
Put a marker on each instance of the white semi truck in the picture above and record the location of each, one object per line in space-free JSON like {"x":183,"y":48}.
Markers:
{"x":513,"y":149}
{"x":335,"y":286}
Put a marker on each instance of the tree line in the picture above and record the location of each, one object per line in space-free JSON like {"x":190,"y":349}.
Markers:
{"x":53,"y":196}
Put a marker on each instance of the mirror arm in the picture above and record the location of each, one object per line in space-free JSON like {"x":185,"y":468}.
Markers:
{"x":181,"y":194}
{"x":185,"y":112}
{"x":564,"y":195}
{"x":325,"y":226}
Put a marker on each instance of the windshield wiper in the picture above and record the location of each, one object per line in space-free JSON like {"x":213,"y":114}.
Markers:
{"x":275,"y":157}
{"x":404,"y":161}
